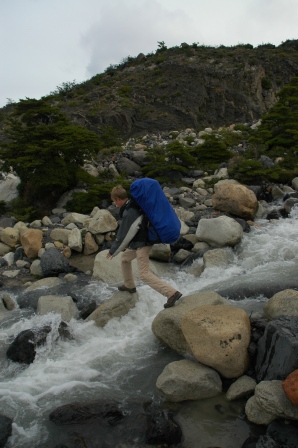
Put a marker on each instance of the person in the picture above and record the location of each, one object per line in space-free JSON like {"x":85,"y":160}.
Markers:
{"x":132,"y":238}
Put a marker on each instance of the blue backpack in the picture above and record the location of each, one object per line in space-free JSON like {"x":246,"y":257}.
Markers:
{"x":164,"y":223}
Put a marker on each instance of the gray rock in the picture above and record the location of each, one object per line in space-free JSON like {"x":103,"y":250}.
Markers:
{"x":166,"y":326}
{"x":117,"y":306}
{"x":283,"y":303}
{"x":219,"y":232}
{"x":128,"y":166}
{"x":53,"y":263}
{"x":188,"y":380}
{"x":217,"y":258}
{"x":63,"y":305}
{"x":272,"y":398}
{"x":277,"y":353}
{"x":242,"y":387}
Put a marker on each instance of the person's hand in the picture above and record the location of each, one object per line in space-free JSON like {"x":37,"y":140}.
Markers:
{"x":109,"y":256}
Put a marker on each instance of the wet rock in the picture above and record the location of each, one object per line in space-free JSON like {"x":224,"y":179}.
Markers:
{"x":105,"y":424}
{"x":162,"y":429}
{"x":23,"y":348}
{"x":63,"y":305}
{"x":117,"y":306}
{"x":273,"y":214}
{"x":182,"y":243}
{"x":87,"y":310}
{"x":289,"y":204}
{"x":188,"y":380}
{"x":284,"y":434}
{"x":278,"y":350}
{"x":5,"y":429}
{"x":76,"y":413}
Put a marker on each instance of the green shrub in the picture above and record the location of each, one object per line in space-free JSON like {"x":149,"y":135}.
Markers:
{"x":165,"y":163}
{"x":85,"y":202}
{"x":266,"y":84}
{"x":211,"y":153}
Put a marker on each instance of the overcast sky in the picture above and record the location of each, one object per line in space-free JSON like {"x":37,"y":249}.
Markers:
{"x":45,"y":43}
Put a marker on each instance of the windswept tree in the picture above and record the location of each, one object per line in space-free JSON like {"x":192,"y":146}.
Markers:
{"x":46,"y":151}
{"x":170,"y":162}
{"x":278,"y":132}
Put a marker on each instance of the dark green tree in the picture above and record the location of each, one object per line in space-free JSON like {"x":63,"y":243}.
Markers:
{"x":278,"y":131}
{"x":211,"y":153}
{"x":45,"y":150}
{"x":166,"y":162}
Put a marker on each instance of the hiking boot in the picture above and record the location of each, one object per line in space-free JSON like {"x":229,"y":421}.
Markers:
{"x":125,"y":288}
{"x":171,"y":300}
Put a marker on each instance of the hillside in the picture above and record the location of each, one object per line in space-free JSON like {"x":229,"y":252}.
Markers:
{"x":186,"y":86}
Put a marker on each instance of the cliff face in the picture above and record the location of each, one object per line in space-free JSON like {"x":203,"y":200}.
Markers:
{"x":186,"y":86}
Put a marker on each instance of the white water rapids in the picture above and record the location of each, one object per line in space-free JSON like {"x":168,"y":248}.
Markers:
{"x":122,"y":360}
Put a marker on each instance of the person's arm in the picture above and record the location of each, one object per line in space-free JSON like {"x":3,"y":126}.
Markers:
{"x":128,"y":228}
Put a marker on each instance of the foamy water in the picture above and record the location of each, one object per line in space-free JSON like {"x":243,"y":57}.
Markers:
{"x":123,"y":359}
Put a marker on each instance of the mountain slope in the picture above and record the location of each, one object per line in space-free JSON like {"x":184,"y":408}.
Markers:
{"x":186,"y":86}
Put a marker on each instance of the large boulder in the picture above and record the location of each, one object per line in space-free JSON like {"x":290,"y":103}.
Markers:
{"x":75,"y":241}
{"x":128,"y":166}
{"x":160,"y":252}
{"x":31,"y":241}
{"x":117,"y":306}
{"x":63,"y":305}
{"x":23,"y":348}
{"x":90,"y":245}
{"x":188,"y":380}
{"x":148,"y":424}
{"x":235,"y":199}
{"x":109,"y":271}
{"x":78,"y":413}
{"x":53,"y":263}
{"x":102,"y":222}
{"x":277,"y":354}
{"x":8,"y":188}
{"x":218,"y":337}
{"x":10,"y":236}
{"x":74,"y":218}
{"x":283,"y":303}
{"x":218,"y":258}
{"x":219,"y":232}
{"x":166,"y":326}
{"x":269,"y":403}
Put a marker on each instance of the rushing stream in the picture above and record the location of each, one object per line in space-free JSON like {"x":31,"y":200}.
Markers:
{"x":123,"y":359}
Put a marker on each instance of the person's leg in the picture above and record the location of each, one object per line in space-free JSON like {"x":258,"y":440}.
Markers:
{"x":148,"y":277}
{"x":126,"y":258}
